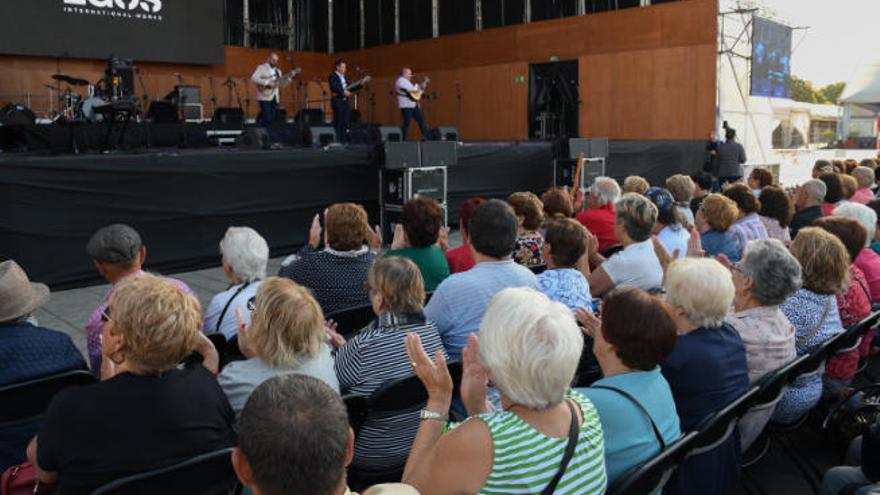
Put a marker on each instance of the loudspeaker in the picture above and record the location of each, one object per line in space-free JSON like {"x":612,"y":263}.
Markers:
{"x":184,"y":94}
{"x":390,"y":217}
{"x":253,"y":138}
{"x":402,"y":155}
{"x":162,"y":112}
{"x":592,"y":147}
{"x":225,"y":115}
{"x":400,"y":185}
{"x":389,"y":134}
{"x":17,"y":114}
{"x":448,"y":133}
{"x":322,"y":135}
{"x":193,"y":112}
{"x":310,"y":116}
{"x":439,"y":153}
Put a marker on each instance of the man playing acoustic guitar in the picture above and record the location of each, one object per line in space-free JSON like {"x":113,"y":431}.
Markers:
{"x":408,"y":96}
{"x":269,"y":81}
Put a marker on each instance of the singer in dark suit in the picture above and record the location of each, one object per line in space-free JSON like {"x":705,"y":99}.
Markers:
{"x":339,"y":101}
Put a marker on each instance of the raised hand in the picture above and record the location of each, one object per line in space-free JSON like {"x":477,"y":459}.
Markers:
{"x":474,"y":379}
{"x":244,"y":344}
{"x":333,"y":337}
{"x":399,"y":240}
{"x":443,"y":238}
{"x":663,"y":255}
{"x":588,"y":321}
{"x":695,"y":245}
{"x":433,"y":374}
{"x":315,"y":232}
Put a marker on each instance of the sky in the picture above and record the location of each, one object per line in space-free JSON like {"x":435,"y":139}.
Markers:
{"x":842,"y":35}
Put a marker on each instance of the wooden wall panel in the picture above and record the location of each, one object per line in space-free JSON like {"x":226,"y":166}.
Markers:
{"x":645,"y":73}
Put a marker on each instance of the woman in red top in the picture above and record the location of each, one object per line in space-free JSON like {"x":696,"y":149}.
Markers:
{"x":854,"y":303}
{"x":461,"y":259}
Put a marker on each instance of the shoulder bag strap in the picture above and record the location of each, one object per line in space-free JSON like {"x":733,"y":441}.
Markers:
{"x":569,"y":451}
{"x":802,"y":342}
{"x":228,"y":303}
{"x":641,"y":408}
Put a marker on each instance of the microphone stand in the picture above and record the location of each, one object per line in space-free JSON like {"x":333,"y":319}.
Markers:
{"x":145,"y":109}
{"x":458,"y":108}
{"x":181,"y":100}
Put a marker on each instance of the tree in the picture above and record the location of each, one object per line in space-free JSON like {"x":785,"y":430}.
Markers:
{"x":802,"y":90}
{"x":831,"y":93}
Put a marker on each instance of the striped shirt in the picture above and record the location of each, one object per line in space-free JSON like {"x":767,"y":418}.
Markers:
{"x":525,"y":460}
{"x":376,"y":356}
{"x":748,"y":228}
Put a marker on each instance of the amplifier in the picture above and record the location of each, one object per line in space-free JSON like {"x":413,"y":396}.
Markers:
{"x":322,"y":135}
{"x":227,"y":115}
{"x":390,"y":217}
{"x":592,"y":147}
{"x":402,"y":155}
{"x":399,"y":185}
{"x":193,"y":112}
{"x":185,"y":94}
{"x":439,"y":153}
{"x":564,"y":171}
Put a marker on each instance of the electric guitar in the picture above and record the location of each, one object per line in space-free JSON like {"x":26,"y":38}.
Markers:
{"x":271,"y":83}
{"x":416,"y":94}
{"x":359,"y":84}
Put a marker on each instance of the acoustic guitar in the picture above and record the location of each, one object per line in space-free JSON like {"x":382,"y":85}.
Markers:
{"x":266,"y":89}
{"x":416,"y":94}
{"x":359,"y":84}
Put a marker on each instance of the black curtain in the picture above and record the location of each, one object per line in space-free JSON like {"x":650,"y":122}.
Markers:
{"x":233,"y":25}
{"x":457,"y":16}
{"x":346,"y":25}
{"x":553,"y":88}
{"x":497,"y":13}
{"x":379,"y":20}
{"x":318,"y":20}
{"x":415,"y":20}
{"x":553,"y":9}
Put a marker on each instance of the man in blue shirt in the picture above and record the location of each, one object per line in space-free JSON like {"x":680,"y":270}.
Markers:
{"x":458,"y":304}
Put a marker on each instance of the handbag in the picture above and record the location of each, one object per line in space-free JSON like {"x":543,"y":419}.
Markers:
{"x":569,"y":452}
{"x":22,"y":480}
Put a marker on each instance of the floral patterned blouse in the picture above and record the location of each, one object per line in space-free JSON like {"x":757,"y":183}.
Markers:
{"x":527,"y":250}
{"x":854,"y":304}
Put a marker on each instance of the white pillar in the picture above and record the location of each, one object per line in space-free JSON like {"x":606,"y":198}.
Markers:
{"x":435,"y":18}
{"x":330,"y":26}
{"x":363,"y":25}
{"x":246,"y":23}
{"x":527,"y":11}
{"x":478,"y":15}
{"x":291,"y":40}
{"x":397,"y":21}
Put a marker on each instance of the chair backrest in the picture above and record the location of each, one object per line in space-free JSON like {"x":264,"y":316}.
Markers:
{"x":718,"y":427}
{"x":206,"y":474}
{"x":772,"y":386}
{"x":588,"y":370}
{"x":537,"y":270}
{"x":815,"y":358}
{"x":649,"y":477}
{"x":853,"y":335}
{"x":31,"y":398}
{"x":352,"y":320}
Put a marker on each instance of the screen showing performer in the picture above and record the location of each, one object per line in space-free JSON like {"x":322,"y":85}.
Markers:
{"x":269,"y":81}
{"x":339,"y":101}
{"x":408,"y":96}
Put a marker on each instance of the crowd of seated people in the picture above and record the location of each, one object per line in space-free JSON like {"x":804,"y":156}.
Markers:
{"x":689,"y":319}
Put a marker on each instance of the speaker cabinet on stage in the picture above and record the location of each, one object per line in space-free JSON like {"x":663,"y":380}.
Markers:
{"x":390,"y":217}
{"x":439,"y":153}
{"x":310,"y":116}
{"x":16,"y":114}
{"x":193,"y":112}
{"x":591,"y":147}
{"x":228,"y":116}
{"x":400,"y":185}
{"x":253,"y":138}
{"x":322,"y":135}
{"x":389,"y":134}
{"x":448,"y":133}
{"x":402,"y":155}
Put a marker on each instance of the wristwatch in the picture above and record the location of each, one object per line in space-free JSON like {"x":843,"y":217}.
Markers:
{"x":426,"y":414}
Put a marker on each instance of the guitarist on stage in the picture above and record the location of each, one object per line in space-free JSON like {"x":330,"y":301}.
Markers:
{"x":269,"y":79}
{"x":408,"y":96}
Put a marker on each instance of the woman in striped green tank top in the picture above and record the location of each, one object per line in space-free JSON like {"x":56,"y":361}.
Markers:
{"x":529,"y":348}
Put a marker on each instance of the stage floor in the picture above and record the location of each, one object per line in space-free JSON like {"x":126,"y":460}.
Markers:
{"x":182,"y":201}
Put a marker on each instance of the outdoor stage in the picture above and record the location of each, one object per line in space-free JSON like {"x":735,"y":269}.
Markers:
{"x":182,"y":201}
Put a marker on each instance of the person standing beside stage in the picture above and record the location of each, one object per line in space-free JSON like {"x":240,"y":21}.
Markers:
{"x":731,"y":156}
{"x":339,"y":101}
{"x":409,"y":107}
{"x":268,"y":79}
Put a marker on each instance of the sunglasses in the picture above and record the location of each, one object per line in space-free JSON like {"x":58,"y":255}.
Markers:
{"x":105,"y":314}
{"x":252,"y":304}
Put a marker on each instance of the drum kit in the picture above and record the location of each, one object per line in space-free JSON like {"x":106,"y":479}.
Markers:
{"x":74,"y":106}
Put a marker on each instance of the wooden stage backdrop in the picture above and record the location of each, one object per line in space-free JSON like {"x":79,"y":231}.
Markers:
{"x":645,"y":74}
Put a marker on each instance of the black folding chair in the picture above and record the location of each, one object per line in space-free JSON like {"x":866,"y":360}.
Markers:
{"x":351,"y":320}
{"x":612,"y":250}
{"x":852,"y":338}
{"x":650,"y":477}
{"x":397,"y":397}
{"x":205,"y":474}
{"x":718,"y":427}
{"x":588,"y":370}
{"x":537,"y":270}
{"x":30,"y":399}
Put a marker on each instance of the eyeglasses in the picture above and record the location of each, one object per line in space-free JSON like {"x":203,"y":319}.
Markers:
{"x":105,"y":314}
{"x":252,"y":304}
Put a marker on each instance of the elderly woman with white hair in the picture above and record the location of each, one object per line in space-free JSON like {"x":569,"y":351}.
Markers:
{"x":707,"y":370}
{"x":529,"y":347}
{"x":867,"y":261}
{"x":767,"y":275}
{"x":245,"y":255}
{"x":599,"y":218}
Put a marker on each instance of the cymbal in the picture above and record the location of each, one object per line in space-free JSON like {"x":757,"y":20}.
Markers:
{"x":73,"y":81}
{"x":61,"y":77}
{"x":78,"y":82}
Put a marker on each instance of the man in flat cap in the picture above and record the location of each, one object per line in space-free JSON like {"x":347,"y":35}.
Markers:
{"x":118,"y":253}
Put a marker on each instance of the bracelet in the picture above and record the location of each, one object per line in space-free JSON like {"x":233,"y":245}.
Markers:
{"x":426,"y":414}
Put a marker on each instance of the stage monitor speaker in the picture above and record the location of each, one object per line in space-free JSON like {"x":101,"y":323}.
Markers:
{"x":253,"y":138}
{"x":228,"y":116}
{"x":162,"y":112}
{"x":439,"y":153}
{"x":389,"y":134}
{"x":322,"y":135}
{"x":193,"y":112}
{"x":448,"y":133}
{"x":591,"y":147}
{"x":402,"y":155}
{"x":310,"y":116}
{"x":400,"y":185}
{"x":17,"y":114}
{"x":186,"y":94}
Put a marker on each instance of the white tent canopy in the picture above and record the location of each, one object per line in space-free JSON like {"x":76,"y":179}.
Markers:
{"x":862,"y":95}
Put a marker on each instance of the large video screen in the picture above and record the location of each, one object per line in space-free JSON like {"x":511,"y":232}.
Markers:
{"x":181,"y":31}
{"x":771,"y":59}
